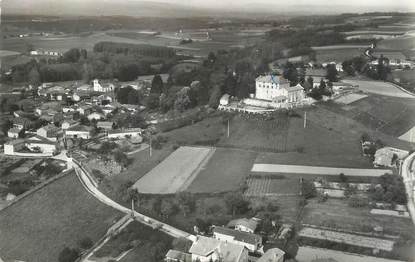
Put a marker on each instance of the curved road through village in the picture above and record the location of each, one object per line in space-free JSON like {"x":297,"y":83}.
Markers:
{"x":408,"y":174}
{"x":91,"y":186}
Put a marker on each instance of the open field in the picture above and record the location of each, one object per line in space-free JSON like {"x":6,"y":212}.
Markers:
{"x":379,"y":87}
{"x":390,"y":115}
{"x":405,"y":42}
{"x":176,"y":172}
{"x":258,"y":134}
{"x":306,"y":253}
{"x":337,"y":214}
{"x":225,"y":171}
{"x":4,"y":53}
{"x":63,"y":207}
{"x":318,"y":170}
{"x":339,"y":54}
{"x":350,"y":98}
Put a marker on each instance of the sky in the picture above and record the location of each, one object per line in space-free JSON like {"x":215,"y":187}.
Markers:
{"x":130,"y":7}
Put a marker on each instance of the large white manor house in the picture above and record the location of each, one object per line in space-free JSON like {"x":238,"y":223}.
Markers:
{"x":278,"y":90}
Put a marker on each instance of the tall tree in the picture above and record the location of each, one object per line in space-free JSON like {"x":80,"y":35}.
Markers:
{"x":157,"y":85}
{"x":332,"y":73}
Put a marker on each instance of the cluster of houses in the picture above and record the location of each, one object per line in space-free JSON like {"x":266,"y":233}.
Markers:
{"x":60,"y":121}
{"x":235,"y":243}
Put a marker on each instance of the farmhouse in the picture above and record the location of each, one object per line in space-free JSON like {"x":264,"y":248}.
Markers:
{"x":224,"y":100}
{"x":206,"y":249}
{"x":40,"y":144}
{"x":69,"y":123}
{"x":251,"y":241}
{"x":107,"y":125}
{"x":244,"y":225}
{"x":98,"y":86}
{"x":178,"y":256}
{"x":95,"y":116}
{"x":387,"y":156}
{"x":14,"y":132}
{"x":13,"y":146}
{"x":49,"y":132}
{"x":79,"y":131}
{"x":272,"y":255}
{"x":123,"y":133}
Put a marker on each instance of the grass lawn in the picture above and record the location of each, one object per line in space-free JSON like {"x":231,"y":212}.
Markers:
{"x":39,"y":226}
{"x":338,"y":55}
{"x":141,"y":239}
{"x":207,"y":131}
{"x":225,"y":171}
{"x":390,"y":115}
{"x":259,"y":135}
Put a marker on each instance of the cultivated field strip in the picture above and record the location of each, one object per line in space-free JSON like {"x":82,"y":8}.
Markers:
{"x":318,"y":170}
{"x":177,"y":170}
{"x":350,"y":239}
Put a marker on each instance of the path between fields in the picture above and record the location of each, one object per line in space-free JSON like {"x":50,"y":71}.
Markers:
{"x":318,"y":170}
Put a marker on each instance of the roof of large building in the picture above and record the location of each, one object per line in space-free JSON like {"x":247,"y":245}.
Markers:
{"x":248,"y":223}
{"x":179,"y":255}
{"x":239,"y":235}
{"x":272,"y":79}
{"x":294,"y":88}
{"x":205,"y":246}
{"x":121,"y":131}
{"x":80,"y":128}
{"x":273,"y":254}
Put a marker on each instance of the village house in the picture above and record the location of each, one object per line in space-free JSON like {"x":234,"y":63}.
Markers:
{"x":272,"y":255}
{"x":79,"y":131}
{"x":68,"y":123}
{"x":21,"y":123}
{"x":107,"y":109}
{"x":49,"y":132}
{"x":14,"y":132}
{"x":41,"y":145}
{"x":177,"y":256}
{"x":244,"y":225}
{"x":13,"y":146}
{"x":106,"y":125}
{"x":251,"y":241}
{"x":125,"y":133}
{"x":95,"y":116}
{"x":224,"y":100}
{"x":317,"y":75}
{"x":206,"y":249}
{"x":84,"y":109}
{"x":99,"y":86}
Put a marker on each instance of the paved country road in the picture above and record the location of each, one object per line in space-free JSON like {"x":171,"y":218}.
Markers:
{"x":318,"y":170}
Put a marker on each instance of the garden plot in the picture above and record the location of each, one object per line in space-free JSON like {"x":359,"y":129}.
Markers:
{"x":267,"y":186}
{"x":318,"y":170}
{"x":176,"y":172}
{"x":350,"y":239}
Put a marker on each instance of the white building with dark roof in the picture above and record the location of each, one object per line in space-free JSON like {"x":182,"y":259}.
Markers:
{"x":251,"y":241}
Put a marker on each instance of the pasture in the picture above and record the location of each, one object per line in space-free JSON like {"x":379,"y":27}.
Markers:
{"x":176,"y":172}
{"x":225,"y":171}
{"x":39,"y":226}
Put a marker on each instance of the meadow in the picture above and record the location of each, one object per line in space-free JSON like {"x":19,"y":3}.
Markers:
{"x":63,"y":207}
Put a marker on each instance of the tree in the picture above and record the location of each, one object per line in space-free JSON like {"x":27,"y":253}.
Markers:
{"x":68,"y":255}
{"x":168,"y":208}
{"x":211,"y":58}
{"x":186,"y":202}
{"x":236,"y":203}
{"x":182,"y":101}
{"x":121,"y":158}
{"x":332,"y":73}
{"x":157,"y":85}
{"x":153,"y":101}
{"x":291,"y":73}
{"x":308,"y":189}
{"x":72,"y":55}
{"x":343,"y":178}
{"x":34,"y":77}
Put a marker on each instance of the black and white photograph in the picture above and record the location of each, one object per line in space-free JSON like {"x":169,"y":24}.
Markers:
{"x":207,"y":131}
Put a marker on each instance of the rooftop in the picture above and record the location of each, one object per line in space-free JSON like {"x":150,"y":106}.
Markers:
{"x":273,"y":254}
{"x":249,"y":223}
{"x":294,"y":88}
{"x":239,"y":235}
{"x":205,"y":246}
{"x":120,"y":131}
{"x":80,"y":128}
{"x":180,"y":256}
{"x":272,"y":79}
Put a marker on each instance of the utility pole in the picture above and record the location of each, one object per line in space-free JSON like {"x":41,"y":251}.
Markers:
{"x":305,"y":119}
{"x":228,"y":127}
{"x":132,"y":207}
